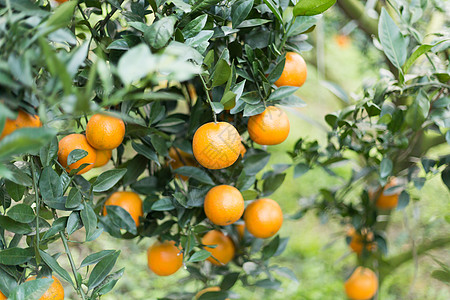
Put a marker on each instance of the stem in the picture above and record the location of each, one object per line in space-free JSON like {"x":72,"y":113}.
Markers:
{"x":72,"y":263}
{"x":38,"y":206}
{"x":208,"y":98}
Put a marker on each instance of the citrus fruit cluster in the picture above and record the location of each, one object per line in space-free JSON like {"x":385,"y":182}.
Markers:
{"x":23,"y":120}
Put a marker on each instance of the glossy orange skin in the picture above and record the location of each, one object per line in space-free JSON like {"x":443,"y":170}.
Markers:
{"x":271,"y":127}
{"x":362,"y":284}
{"x":165,"y":258}
{"x":54,"y":292}
{"x":224,"y":252}
{"x":224,"y":205}
{"x":386,"y":201}
{"x":243,"y":150}
{"x":23,"y":120}
{"x":76,"y":141}
{"x":294,"y":72}
{"x":105,"y":132}
{"x":3,"y":297}
{"x":216,"y":145}
{"x":61,"y":1}
{"x":179,"y":158}
{"x":263,"y":218}
{"x":103,"y":157}
{"x":129,"y":201}
{"x":358,"y":241}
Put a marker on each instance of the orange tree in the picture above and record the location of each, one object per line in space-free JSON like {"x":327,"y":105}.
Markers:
{"x":385,"y":135}
{"x":149,"y":84}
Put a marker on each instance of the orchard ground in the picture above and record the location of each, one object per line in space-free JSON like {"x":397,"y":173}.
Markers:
{"x":317,"y":251}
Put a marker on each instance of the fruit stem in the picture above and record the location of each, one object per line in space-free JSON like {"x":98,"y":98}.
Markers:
{"x":38,"y":205}
{"x":208,"y":98}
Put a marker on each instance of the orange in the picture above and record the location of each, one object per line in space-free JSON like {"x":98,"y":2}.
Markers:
{"x":179,"y":158}
{"x":164,"y":258}
{"x":223,"y":253}
{"x":362,"y":284}
{"x":240,"y":228}
{"x":103,"y":157}
{"x":388,"y":201}
{"x":271,"y":127}
{"x":3,"y":297}
{"x":294,"y":72}
{"x":216,"y":145}
{"x":243,"y":150}
{"x":263,"y":218}
{"x":23,"y":120}
{"x":359,"y":240}
{"x":61,"y":1}
{"x":76,"y":141}
{"x":105,"y":132}
{"x":54,"y":292}
{"x":129,"y":201}
{"x":342,"y":40}
{"x":224,"y":205}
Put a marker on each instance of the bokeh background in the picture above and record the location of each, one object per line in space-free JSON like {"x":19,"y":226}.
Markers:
{"x":317,"y":251}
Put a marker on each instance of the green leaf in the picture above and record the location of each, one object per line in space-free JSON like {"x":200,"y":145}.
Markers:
{"x":16,"y":256}
{"x":74,"y":198}
{"x":239,"y":11}
{"x":270,"y":249}
{"x":50,"y":184}
{"x":253,"y":23}
{"x":57,"y":226}
{"x":15,"y":190}
{"x":445,"y":175}
{"x":418,"y":111}
{"x":62,"y":16}
{"x":25,"y":140}
{"x":182,"y":5}
{"x":195,"y":26}
{"x":21,"y":213}
{"x":393,"y":42}
{"x":160,"y":32}
{"x":221,"y":73}
{"x":48,"y":152}
{"x":217,"y":107}
{"x":163,"y":204}
{"x":228,"y":100}
{"x":229,"y":280}
{"x":300,"y":169}
{"x":385,"y":167}
{"x":121,"y":218}
{"x":89,"y":219}
{"x":253,"y":109}
{"x":108,"y":179}
{"x":441,"y":275}
{"x":282,"y":92}
{"x":10,"y":225}
{"x":274,"y":8}
{"x":416,"y":54}
{"x":75,"y":155}
{"x":403,"y":200}
{"x":136,"y":63}
{"x":54,"y":265}
{"x":95,"y":257}
{"x":196,"y":173}
{"x":255,"y":163}
{"x":203,"y":4}
{"x":7,"y":282}
{"x":312,"y":7}
{"x":272,"y":183}
{"x":145,"y":151}
{"x":160,"y":144}
{"x":277,"y":71}
{"x":102,"y":269}
{"x":31,"y":290}
{"x":199,"y":256}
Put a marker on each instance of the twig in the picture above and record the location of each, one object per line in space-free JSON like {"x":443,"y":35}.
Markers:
{"x":208,"y":98}
{"x":38,"y":205}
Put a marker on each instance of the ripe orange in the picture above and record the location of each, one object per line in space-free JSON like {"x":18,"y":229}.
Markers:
{"x":129,"y":201}
{"x":263,"y":218}
{"x":54,"y":292}
{"x":61,"y":1}
{"x":216,"y":145}
{"x":223,"y":252}
{"x":105,"y":132}
{"x":103,"y":157}
{"x":294,"y":72}
{"x":342,"y":40}
{"x":388,"y":201}
{"x":179,"y":158}
{"x":243,"y":150}
{"x":240,"y":230}
{"x":164,"y":258}
{"x":76,"y":141}
{"x":224,"y":205}
{"x":271,"y":127}
{"x":3,"y":297}
{"x":23,"y":120}
{"x":362,"y":284}
{"x":359,"y":240}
